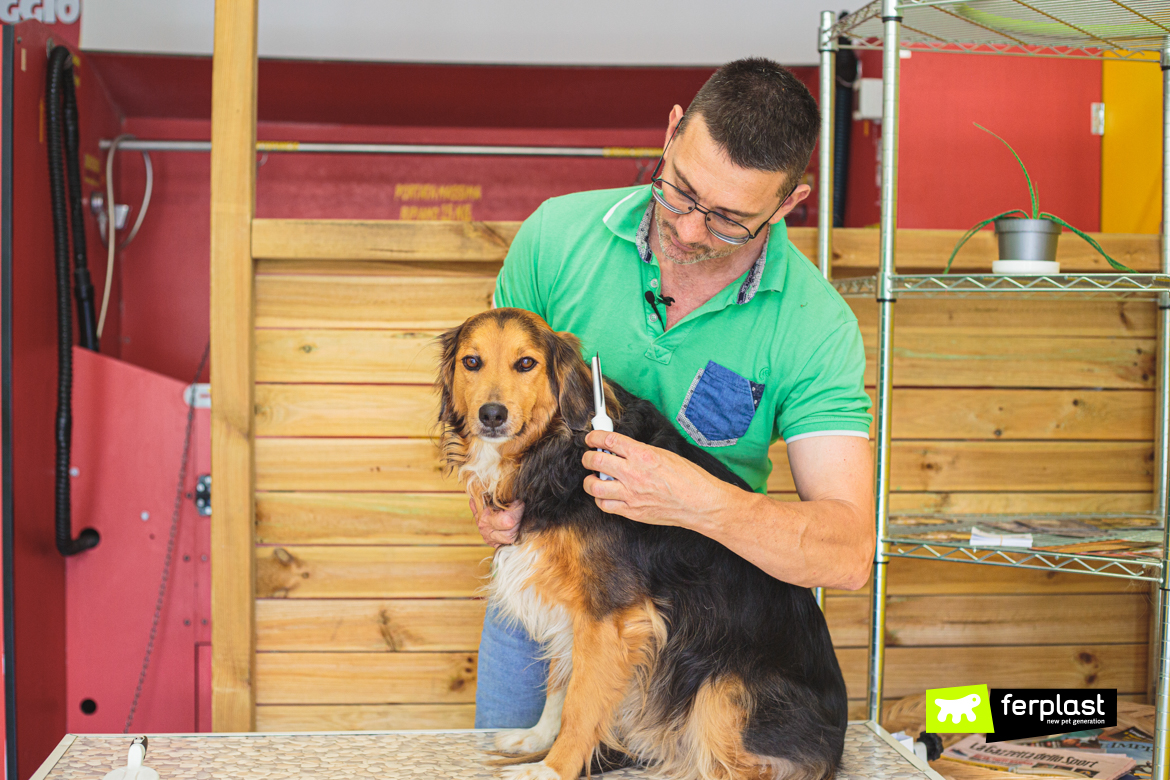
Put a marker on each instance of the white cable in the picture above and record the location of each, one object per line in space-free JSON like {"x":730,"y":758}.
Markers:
{"x":142,"y":207}
{"x":111,"y":231}
{"x":112,"y":220}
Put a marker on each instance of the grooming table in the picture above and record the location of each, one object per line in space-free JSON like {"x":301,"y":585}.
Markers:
{"x":870,"y":754}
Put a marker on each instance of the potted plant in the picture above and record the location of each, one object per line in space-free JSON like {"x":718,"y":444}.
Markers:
{"x":1027,"y":244}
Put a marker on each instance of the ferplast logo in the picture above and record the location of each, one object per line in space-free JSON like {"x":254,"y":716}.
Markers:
{"x":1017,"y":713}
{"x":965,"y":709}
{"x":1030,"y":712}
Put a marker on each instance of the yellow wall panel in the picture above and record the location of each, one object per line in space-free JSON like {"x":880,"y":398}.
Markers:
{"x":1131,"y":149}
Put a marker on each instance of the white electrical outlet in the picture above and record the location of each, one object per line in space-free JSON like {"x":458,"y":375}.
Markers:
{"x":1097,"y":119}
{"x":869,"y":99}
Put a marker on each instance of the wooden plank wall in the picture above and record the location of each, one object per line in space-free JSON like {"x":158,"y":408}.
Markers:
{"x":367,"y":562}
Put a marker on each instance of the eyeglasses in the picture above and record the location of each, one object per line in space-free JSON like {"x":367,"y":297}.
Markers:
{"x":675,"y":200}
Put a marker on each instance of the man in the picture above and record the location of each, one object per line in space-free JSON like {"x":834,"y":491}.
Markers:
{"x":697,"y":301}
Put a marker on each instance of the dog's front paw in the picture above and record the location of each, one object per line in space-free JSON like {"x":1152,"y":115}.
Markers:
{"x":541,"y":771}
{"x":520,"y":741}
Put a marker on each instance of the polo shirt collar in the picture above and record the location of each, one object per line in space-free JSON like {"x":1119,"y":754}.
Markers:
{"x":630,"y":218}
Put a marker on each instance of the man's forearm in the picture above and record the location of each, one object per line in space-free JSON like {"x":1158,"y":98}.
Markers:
{"x":826,"y":543}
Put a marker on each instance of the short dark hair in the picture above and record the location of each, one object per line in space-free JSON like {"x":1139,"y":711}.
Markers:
{"x":760,"y":114}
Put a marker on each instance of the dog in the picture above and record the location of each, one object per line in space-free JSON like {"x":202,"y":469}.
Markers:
{"x":666,"y":650}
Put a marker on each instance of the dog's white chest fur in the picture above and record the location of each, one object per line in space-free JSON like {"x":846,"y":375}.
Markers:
{"x":513,"y":596}
{"x":482,"y":466}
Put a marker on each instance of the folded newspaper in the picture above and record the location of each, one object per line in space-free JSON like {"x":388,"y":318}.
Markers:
{"x":1127,"y":740}
{"x":1028,"y":760}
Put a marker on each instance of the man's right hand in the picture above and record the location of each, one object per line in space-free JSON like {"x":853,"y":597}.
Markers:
{"x":497,"y":527}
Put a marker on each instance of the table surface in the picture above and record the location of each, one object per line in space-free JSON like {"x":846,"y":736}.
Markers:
{"x":870,"y":754}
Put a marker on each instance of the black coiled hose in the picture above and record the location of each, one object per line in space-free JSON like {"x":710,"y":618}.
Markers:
{"x":842,"y":128}
{"x":62,"y":135}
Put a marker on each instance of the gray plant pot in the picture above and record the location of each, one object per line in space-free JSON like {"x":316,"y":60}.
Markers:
{"x":1027,"y":239}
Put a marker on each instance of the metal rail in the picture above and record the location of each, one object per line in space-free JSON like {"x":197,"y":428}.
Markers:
{"x":1099,"y":565}
{"x":827,"y":45}
{"x":1162,"y":474}
{"x":989,"y":285}
{"x":627,"y":152}
{"x":885,"y":380}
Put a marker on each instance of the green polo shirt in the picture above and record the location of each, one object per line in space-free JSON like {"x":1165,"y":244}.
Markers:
{"x":775,"y":354}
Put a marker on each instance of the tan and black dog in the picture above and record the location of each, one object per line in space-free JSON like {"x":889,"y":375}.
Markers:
{"x":666,"y":649}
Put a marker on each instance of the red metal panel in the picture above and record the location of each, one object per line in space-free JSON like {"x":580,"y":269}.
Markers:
{"x":128,"y":437}
{"x":38,"y":570}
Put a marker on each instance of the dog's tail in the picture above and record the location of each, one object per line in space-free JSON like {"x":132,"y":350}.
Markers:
{"x":510,"y":759}
{"x":605,"y":759}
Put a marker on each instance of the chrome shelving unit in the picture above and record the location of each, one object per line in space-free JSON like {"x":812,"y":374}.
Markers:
{"x":1123,"y":29}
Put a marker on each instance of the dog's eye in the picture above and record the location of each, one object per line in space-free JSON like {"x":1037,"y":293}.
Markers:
{"x":525,"y":364}
{"x":471,"y":363}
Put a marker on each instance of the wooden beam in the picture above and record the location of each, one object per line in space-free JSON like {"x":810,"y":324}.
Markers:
{"x":364,"y":717}
{"x":355,"y":239}
{"x":918,"y":413}
{"x":336,"y":571}
{"x":922,"y":359}
{"x":233,"y":191}
{"x":911,"y":621}
{"x":350,"y":678}
{"x":853,"y":248}
{"x":411,"y":625}
{"x":380,"y":464}
{"x":364,"y":519}
{"x":438,"y":625}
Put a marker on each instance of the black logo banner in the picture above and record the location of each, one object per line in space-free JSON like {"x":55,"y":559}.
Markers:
{"x":1019,"y":713}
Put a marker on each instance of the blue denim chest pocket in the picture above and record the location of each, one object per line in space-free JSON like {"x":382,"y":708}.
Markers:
{"x":719,"y":406}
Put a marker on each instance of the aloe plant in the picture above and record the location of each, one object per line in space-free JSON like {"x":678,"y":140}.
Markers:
{"x":1036,"y":214}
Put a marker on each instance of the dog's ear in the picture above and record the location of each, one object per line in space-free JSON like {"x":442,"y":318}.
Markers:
{"x":571,"y":381}
{"x":449,"y":346}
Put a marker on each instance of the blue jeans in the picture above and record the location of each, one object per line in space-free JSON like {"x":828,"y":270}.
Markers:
{"x":510,"y":685}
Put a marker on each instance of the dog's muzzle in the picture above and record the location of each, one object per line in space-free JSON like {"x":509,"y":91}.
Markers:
{"x":493,"y":419}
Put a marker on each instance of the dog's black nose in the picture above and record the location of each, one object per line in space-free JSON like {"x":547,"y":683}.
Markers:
{"x":493,"y":415}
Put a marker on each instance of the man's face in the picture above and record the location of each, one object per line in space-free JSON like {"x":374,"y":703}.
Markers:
{"x":699,"y":167}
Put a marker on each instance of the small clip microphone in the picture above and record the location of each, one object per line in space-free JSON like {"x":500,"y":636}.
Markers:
{"x":652,"y":299}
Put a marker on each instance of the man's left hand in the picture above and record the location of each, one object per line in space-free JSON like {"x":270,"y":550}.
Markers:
{"x":653,"y":485}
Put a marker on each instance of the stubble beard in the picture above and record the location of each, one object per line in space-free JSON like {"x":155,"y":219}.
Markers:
{"x":666,"y":232}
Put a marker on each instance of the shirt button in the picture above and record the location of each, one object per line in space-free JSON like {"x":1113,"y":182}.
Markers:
{"x":653,"y":282}
{"x":653,"y":318}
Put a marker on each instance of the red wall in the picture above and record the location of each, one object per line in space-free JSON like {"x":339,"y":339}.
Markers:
{"x":953,"y":175}
{"x":6,"y":47}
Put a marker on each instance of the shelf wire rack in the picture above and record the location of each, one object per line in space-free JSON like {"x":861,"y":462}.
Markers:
{"x":1104,"y":286}
{"x":1136,"y":30}
{"x":1049,"y":28}
{"x":942,"y":536}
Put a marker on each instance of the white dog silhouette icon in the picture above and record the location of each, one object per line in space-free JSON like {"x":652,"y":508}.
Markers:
{"x":958,"y":708}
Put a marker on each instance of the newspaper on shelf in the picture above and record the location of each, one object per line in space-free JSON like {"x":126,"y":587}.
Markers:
{"x":1031,"y":760}
{"x":1126,"y":740}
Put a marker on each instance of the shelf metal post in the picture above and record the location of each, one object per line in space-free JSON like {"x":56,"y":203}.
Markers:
{"x":827,"y":46}
{"x":1161,"y":483}
{"x":891,"y":23}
